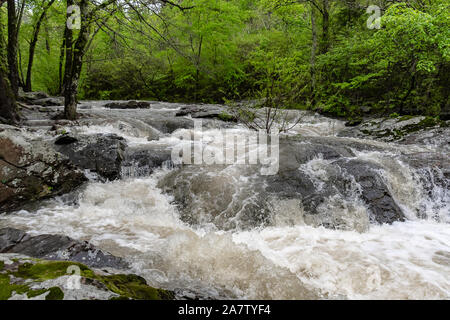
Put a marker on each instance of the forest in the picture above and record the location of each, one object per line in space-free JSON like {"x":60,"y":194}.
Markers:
{"x":346,"y":58}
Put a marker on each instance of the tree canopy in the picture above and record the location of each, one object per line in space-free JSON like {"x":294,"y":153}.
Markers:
{"x":316,"y":54}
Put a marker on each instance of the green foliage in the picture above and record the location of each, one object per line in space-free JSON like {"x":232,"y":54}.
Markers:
{"x":223,"y":50}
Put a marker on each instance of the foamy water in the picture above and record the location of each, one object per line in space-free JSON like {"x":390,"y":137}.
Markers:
{"x":289,"y":259}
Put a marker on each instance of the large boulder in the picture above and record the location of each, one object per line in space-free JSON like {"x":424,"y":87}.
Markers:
{"x":393,"y":129}
{"x":319,"y":183}
{"x":57,"y":247}
{"x":374,"y":191}
{"x":99,"y":153}
{"x":30,"y":169}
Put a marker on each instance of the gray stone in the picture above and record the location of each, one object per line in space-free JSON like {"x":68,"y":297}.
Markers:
{"x":50,"y":102}
{"x":100,"y":153}
{"x":129,"y":105}
{"x":31,"y":170}
{"x":57,"y":247}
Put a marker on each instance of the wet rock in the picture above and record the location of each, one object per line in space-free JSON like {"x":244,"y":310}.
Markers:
{"x":141,"y":161}
{"x":31,"y":170}
{"x":24,"y":278}
{"x":391,"y":129}
{"x":100,"y":153}
{"x":240,"y":197}
{"x":65,"y":140}
{"x":30,"y":97}
{"x":375,"y":193}
{"x":169,"y":124}
{"x":202,"y":111}
{"x":50,"y":102}
{"x":128,"y":105}
{"x":57,"y":247}
{"x":10,"y":237}
{"x":354,"y":122}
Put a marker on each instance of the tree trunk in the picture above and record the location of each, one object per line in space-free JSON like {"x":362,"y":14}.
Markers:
{"x":33,"y":43}
{"x":8,"y":107}
{"x":325,"y":43}
{"x":62,"y":54}
{"x":74,"y":63}
{"x":313,"y":56}
{"x":12,"y":47}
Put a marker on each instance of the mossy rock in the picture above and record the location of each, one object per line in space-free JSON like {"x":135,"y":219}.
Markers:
{"x":405,"y":118}
{"x":128,"y":287}
{"x":428,"y":122}
{"x":45,"y":270}
{"x":226,"y":117}
{"x":134,"y":287}
{"x":54,"y":293}
{"x":7,"y":288}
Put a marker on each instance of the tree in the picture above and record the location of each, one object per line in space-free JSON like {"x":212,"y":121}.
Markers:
{"x":8,"y":107}
{"x":14,"y":21}
{"x":36,"y":30}
{"x":75,"y":51}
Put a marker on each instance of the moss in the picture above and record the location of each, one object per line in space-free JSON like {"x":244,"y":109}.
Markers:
{"x":7,"y":288}
{"x":126,"y":286}
{"x":394,"y":115}
{"x":35,"y":293}
{"x":405,"y":118}
{"x":55,"y":294}
{"x":428,"y":122}
{"x":2,"y":265}
{"x":119,"y":298}
{"x":45,"y":270}
{"x":226,"y":117}
{"x":134,"y":287}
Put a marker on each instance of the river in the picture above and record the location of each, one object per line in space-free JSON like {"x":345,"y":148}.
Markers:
{"x":184,"y":240}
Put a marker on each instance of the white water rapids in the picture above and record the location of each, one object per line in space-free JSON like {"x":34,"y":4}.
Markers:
{"x":133,"y":218}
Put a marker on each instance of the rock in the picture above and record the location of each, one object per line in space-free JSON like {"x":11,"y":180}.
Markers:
{"x":9,"y":237}
{"x":65,"y":139}
{"x":315,"y":182}
{"x":169,"y":124}
{"x":23,"y":278}
{"x":100,"y":153}
{"x":30,"y":97}
{"x":141,"y":161}
{"x":50,"y":102}
{"x":392,"y":129}
{"x":201,"y":111}
{"x":128,"y":105}
{"x":375,"y":193}
{"x":354,"y":122}
{"x":31,"y":170}
{"x":57,"y":247}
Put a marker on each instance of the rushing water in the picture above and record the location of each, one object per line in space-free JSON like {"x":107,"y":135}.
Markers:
{"x":288,"y":258}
